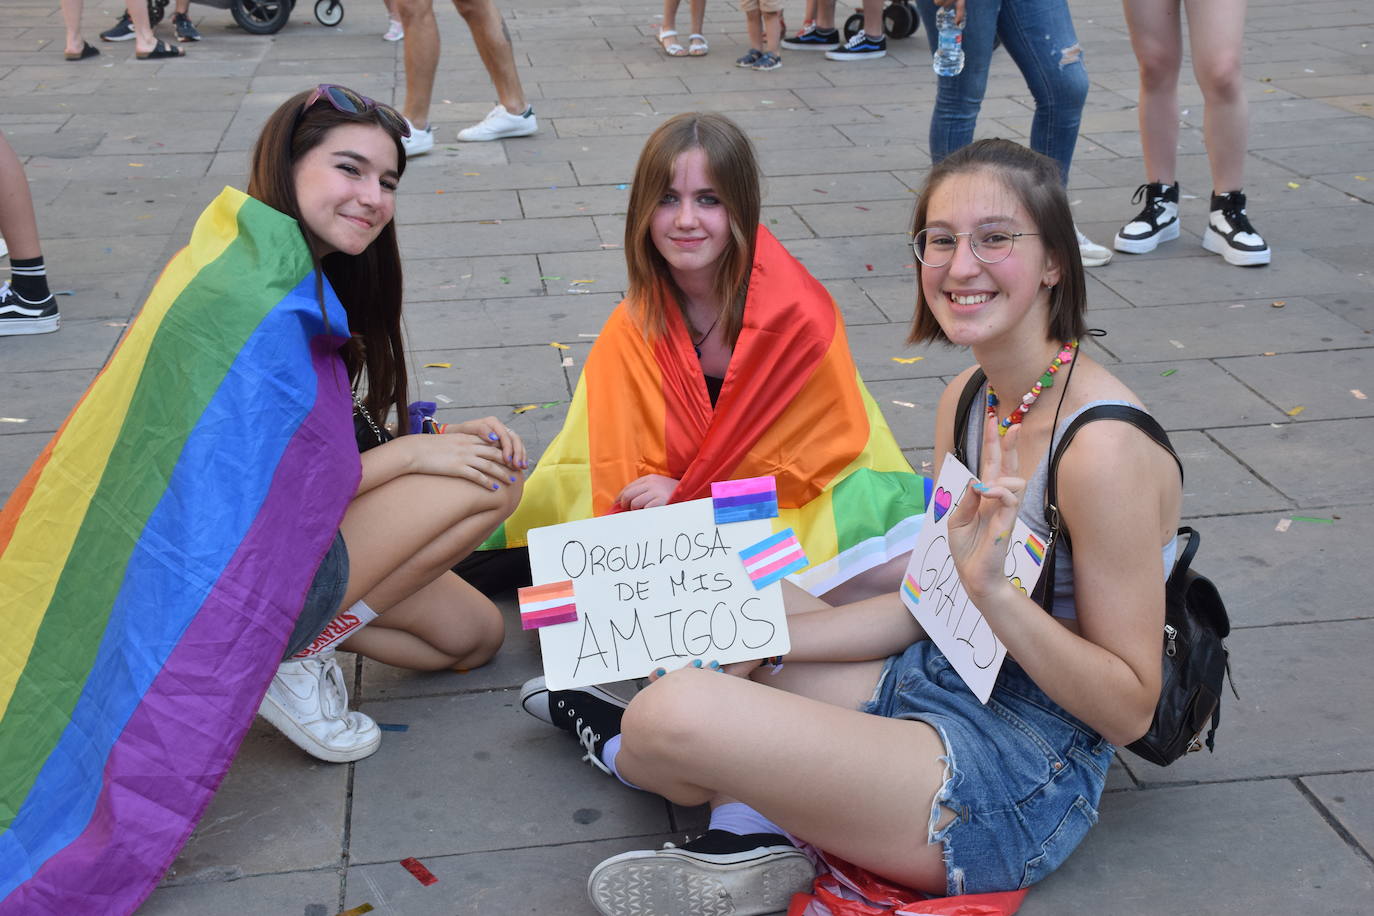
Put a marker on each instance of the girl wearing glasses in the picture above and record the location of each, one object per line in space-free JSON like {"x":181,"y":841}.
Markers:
{"x":868,"y":745}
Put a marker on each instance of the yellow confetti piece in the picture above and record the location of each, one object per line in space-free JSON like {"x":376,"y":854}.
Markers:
{"x":559,"y":346}
{"x":525,"y":409}
{"x":907,"y":360}
{"x":358,"y":910}
{"x":1296,"y":410}
{"x":135,"y":165}
{"x":585,"y":282}
{"x":1294,"y":185}
{"x":1268,"y":353}
{"x":1361,"y":178}
{"x":1359,"y":394}
{"x":1267,"y":91}
{"x":472,"y":173}
{"x":438,"y":365}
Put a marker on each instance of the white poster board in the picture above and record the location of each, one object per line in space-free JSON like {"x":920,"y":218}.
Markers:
{"x":654,"y":588}
{"x":931,"y":589}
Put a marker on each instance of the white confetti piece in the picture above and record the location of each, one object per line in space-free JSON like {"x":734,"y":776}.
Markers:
{"x":1359,"y":394}
{"x":14,"y":419}
{"x":1283,"y":525}
{"x":904,"y":403}
{"x":1177,"y":344}
{"x":443,"y":399}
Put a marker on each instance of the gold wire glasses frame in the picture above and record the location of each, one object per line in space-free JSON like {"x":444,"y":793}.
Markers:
{"x":990,"y":244}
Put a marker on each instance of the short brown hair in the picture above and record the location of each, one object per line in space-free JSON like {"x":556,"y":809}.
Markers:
{"x":1035,"y":181}
{"x":367,"y":284}
{"x":734,"y":172}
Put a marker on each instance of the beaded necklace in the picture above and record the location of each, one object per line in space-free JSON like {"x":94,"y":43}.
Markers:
{"x":1066,"y":355}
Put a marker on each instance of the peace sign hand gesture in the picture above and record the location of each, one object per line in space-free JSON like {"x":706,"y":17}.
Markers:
{"x":980,"y":526}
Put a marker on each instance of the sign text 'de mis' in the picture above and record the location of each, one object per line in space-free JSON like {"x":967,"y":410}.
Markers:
{"x":654,"y":588}
{"x":931,"y":589}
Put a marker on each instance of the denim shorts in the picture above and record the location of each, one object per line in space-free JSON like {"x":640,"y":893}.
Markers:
{"x":323,"y":599}
{"x":1022,"y":776}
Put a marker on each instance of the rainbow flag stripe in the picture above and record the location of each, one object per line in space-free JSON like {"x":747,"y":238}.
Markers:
{"x":772,"y":558}
{"x":155,"y":557}
{"x":1035,"y":548}
{"x":744,"y":500}
{"x":546,"y":605}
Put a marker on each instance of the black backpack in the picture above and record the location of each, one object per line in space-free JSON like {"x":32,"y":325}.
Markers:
{"x":1195,"y":621}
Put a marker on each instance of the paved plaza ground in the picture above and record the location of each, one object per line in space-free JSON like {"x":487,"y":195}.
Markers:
{"x":1262,"y":377}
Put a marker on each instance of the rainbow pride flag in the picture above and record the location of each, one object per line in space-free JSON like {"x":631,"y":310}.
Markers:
{"x":155,"y":557}
{"x":792,"y":407}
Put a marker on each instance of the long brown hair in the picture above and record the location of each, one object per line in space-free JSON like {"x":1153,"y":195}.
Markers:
{"x":367,"y":284}
{"x":1034,"y":179}
{"x":734,"y":173}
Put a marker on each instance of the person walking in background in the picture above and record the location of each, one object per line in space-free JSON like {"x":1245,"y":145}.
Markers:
{"x":146,"y":45}
{"x":1216,"y":33}
{"x":394,"y":30}
{"x":763,"y":19}
{"x":1040,"y":37}
{"x":822,"y":35}
{"x":512,"y":116}
{"x":123,"y":29}
{"x":26,"y":304}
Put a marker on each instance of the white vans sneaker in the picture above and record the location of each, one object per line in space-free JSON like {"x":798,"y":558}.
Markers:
{"x":308,"y":702}
{"x":420,"y":141}
{"x":1093,"y":254}
{"x":499,"y":124}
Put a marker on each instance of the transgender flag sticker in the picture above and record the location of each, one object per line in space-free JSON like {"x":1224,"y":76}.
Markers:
{"x":774,"y":557}
{"x":546,"y":605}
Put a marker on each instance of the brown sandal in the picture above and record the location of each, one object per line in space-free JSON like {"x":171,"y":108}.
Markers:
{"x":87,"y":50}
{"x":160,"y":50}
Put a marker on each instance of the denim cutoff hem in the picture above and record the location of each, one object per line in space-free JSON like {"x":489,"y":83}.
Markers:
{"x":323,"y":599}
{"x":1022,"y":776}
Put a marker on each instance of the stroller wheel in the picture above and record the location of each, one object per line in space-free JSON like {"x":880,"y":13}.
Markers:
{"x":156,"y":10}
{"x":898,"y":20}
{"x":261,"y":17}
{"x":853,"y":26}
{"x":329,"y":12}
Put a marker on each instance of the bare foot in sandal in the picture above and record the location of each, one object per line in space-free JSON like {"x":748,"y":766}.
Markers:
{"x":668,"y":41}
{"x":696,"y":45}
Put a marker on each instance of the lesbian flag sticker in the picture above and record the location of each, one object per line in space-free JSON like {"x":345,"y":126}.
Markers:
{"x":772,"y":558}
{"x":546,"y":605}
{"x":742,"y":500}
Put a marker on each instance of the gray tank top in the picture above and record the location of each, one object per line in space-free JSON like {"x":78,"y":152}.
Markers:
{"x":1032,"y":510}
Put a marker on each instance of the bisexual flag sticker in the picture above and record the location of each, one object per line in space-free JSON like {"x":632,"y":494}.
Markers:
{"x":546,"y":605}
{"x":773,"y":557}
{"x":743,"y":500}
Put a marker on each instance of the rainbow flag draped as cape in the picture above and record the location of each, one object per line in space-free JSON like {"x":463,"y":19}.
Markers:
{"x":154,"y":559}
{"x":792,"y":406}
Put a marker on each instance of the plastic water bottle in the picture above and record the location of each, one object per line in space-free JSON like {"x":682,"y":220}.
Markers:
{"x":949,"y":52}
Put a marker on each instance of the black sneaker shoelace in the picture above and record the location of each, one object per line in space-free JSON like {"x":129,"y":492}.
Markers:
{"x":1234,"y":212}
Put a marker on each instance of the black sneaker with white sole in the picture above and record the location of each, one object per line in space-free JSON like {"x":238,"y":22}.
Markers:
{"x":719,"y":874}
{"x":186,"y":30}
{"x":1230,"y":234}
{"x":20,"y":316}
{"x":1157,"y":222}
{"x":590,"y":714}
{"x":123,"y":30}
{"x":813,"y":39}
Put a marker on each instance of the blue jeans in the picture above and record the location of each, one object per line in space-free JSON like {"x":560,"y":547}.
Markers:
{"x":1039,"y":36}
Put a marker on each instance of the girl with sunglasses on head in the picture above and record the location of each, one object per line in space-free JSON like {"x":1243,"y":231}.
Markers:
{"x":867,"y":744}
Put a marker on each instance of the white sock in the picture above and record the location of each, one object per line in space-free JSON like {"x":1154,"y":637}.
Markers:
{"x":339,"y":629}
{"x":609,"y":750}
{"x":739,"y":818}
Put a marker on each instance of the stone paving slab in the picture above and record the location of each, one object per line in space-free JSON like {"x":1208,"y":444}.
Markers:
{"x":1315,"y":463}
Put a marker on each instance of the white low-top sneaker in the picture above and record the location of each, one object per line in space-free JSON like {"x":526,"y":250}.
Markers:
{"x":308,"y":702}
{"x":420,"y":141}
{"x":1094,"y":255}
{"x":499,"y":124}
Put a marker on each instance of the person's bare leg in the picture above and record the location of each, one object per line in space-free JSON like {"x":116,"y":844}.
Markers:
{"x":71,"y":18}
{"x":873,"y":18}
{"x":144,"y":39}
{"x":446,"y":624}
{"x":421,"y":57}
{"x":493,"y":43}
{"x":753,"y":25}
{"x":1216,"y":31}
{"x":17,"y":223}
{"x":825,"y":15}
{"x":1157,"y":39}
{"x":697,"y":10}
{"x":772,"y":31}
{"x":181,"y":7}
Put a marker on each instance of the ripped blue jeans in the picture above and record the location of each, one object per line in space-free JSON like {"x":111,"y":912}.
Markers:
{"x":1022,"y":776}
{"x":1039,"y":36}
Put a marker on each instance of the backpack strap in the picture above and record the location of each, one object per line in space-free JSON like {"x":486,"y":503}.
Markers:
{"x":961,"y":415}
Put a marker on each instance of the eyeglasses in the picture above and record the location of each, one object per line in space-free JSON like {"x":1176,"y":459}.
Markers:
{"x":991,"y":244}
{"x":349,"y":102}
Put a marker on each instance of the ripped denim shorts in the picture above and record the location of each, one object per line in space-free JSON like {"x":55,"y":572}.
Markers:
{"x":1023,"y":777}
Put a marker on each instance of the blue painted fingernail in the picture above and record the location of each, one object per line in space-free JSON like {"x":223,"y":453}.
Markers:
{"x":696,"y":663}
{"x":493,"y":437}
{"x":981,"y":487}
{"x":512,"y":480}
{"x":714,"y":664}
{"x":659,"y":672}
{"x":496,"y":486}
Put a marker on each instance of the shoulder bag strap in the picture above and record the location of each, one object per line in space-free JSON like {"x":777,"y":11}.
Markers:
{"x":961,"y":415}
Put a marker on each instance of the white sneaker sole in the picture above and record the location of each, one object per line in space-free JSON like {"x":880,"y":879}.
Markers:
{"x":1097,"y":260}
{"x":14,"y":327}
{"x":505,"y":134}
{"x":673,"y":883}
{"x":1215,"y":242}
{"x":1147,"y":244}
{"x":307,"y":742}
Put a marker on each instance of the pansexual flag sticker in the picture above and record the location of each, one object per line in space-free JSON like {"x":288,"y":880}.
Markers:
{"x":1035,"y":548}
{"x":742,"y":500}
{"x":546,"y":605}
{"x":772,"y":558}
{"x":910,"y":590}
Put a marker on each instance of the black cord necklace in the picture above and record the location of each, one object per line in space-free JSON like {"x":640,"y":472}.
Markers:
{"x":696,"y":344}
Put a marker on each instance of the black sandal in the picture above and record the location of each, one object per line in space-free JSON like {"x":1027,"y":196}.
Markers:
{"x":87,"y":50}
{"x":160,"y":51}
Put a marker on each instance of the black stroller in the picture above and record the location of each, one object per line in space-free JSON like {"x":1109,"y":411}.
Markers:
{"x":259,"y":17}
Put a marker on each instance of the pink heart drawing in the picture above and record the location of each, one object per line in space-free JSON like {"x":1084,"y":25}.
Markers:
{"x":942,"y":501}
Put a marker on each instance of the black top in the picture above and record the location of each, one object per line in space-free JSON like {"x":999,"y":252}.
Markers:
{"x":713,"y":385}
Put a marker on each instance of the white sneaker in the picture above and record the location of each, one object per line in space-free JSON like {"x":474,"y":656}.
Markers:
{"x":1094,"y":255}
{"x":420,"y":141}
{"x":394,"y":31}
{"x":308,"y":702}
{"x":500,"y":123}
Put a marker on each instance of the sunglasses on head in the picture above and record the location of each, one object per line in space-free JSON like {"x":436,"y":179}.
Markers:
{"x":349,"y":102}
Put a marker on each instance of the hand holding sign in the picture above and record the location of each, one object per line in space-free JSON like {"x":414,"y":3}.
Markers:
{"x":980,"y":527}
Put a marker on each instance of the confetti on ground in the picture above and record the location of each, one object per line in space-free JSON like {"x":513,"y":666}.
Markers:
{"x":1238,"y":305}
{"x":14,"y":419}
{"x":593,"y":336}
{"x":869,"y":266}
{"x":1359,"y":394}
{"x":358,"y":910}
{"x":907,"y":360}
{"x":1168,"y":372}
{"x":1294,"y":185}
{"x":609,"y":245}
{"x":1314,"y":521}
{"x":527,"y":407}
{"x":438,"y":365}
{"x":819,"y":191}
{"x":567,"y":361}
{"x":1278,"y":303}
{"x":551,"y":278}
{"x":1178,"y":344}
{"x":765,"y":101}
{"x":583,"y":282}
{"x":489,"y":222}
{"x":135,"y":165}
{"x":622,"y":187}
{"x":439,"y":192}
{"x":857,"y":207}
{"x":393,"y":726}
{"x":1361,"y":178}
{"x":1283,"y":525}
{"x":465,"y":277}
{"x":1296,"y":410}
{"x":116,"y":324}
{"x":904,"y":403}
{"x":472,"y":173}
{"x":505,"y":279}
{"x":417,"y":868}
{"x":558,"y":346}
{"x":549,"y":404}
{"x":1268,"y":353}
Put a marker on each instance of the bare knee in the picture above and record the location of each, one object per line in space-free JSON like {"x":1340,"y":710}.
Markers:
{"x":479,"y":9}
{"x":487,"y":633}
{"x":1219,"y":80}
{"x":412,"y":12}
{"x":1159,"y":66}
{"x":669,"y":715}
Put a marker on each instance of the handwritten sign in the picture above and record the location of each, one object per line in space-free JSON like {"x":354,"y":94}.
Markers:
{"x":931,"y":589}
{"x":654,"y":588}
